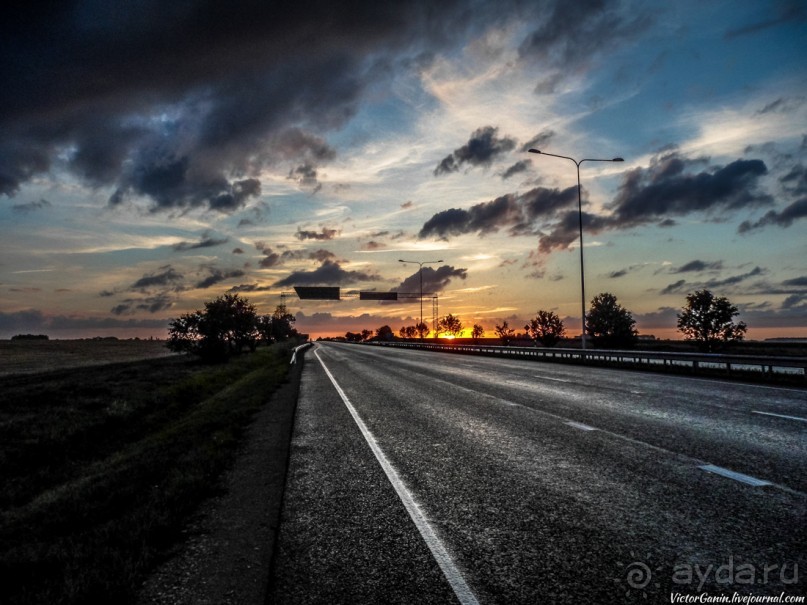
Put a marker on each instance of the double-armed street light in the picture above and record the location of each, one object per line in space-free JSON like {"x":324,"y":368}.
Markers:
{"x":420,"y":271}
{"x":580,"y":215}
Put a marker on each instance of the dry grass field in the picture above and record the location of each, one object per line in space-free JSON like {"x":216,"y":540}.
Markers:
{"x":103,"y":463}
{"x":29,"y":356}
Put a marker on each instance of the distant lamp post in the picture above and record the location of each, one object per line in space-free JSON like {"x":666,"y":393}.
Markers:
{"x":580,"y":216}
{"x":420,"y":271}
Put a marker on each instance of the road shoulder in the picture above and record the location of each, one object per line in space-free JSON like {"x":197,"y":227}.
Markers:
{"x":230,"y":542}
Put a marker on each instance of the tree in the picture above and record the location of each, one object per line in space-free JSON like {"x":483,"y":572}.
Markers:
{"x":385,"y":333}
{"x":408,"y":331}
{"x":183,"y":333}
{"x":477,"y":332}
{"x":505,"y":332}
{"x":421,"y":329}
{"x":366,"y":334}
{"x":609,"y":324}
{"x":225,"y":327}
{"x":547,"y":328}
{"x":283,"y":323}
{"x":450,"y":324}
{"x":709,"y":321}
{"x":264,"y":327}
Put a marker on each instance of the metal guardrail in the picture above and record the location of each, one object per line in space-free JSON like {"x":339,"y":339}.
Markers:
{"x":296,"y":350}
{"x":791,"y":367}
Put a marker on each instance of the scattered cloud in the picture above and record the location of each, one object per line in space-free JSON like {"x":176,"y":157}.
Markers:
{"x":698,"y":266}
{"x":787,"y":12}
{"x":434,"y":280}
{"x":520,"y":212}
{"x":539,"y":140}
{"x":717,"y":284}
{"x":325,"y":234}
{"x":305,"y":175}
{"x":329,"y":273}
{"x":481,"y":149}
{"x":517,"y":168}
{"x":31,"y":206}
{"x":207,"y":241}
{"x":785,"y":218}
{"x":150,"y":304}
{"x":669,"y":188}
{"x":166,"y":276}
{"x":216,"y":276}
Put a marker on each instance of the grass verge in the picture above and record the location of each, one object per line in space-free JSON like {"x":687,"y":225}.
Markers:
{"x":102,"y":467}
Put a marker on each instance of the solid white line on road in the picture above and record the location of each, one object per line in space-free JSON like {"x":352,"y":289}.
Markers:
{"x":581,"y":426}
{"x":780,"y":416}
{"x":438,"y":550}
{"x":724,"y":472}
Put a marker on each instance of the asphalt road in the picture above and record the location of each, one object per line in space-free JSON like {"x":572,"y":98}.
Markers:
{"x":420,"y":477}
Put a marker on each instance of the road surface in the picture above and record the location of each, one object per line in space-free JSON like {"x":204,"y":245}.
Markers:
{"x":420,"y":477}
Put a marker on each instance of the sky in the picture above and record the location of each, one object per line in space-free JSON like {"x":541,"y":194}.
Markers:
{"x":154,"y":156}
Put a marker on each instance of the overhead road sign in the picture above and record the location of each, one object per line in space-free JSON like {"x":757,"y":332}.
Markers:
{"x":378,"y":295}
{"x":317,"y":292}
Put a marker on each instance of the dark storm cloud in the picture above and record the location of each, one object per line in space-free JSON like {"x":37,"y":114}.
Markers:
{"x":324,"y":234}
{"x":166,"y":277}
{"x":207,"y":241}
{"x":184,"y":103}
{"x":481,"y":149}
{"x":666,"y":188}
{"x":571,"y":35}
{"x":329,"y":273}
{"x":434,"y":280}
{"x":520,"y":212}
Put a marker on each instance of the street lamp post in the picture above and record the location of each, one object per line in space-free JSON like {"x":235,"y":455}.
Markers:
{"x":420,"y":271}
{"x":580,"y":216}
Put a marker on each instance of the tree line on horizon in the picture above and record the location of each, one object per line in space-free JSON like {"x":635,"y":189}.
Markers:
{"x":706,"y":319}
